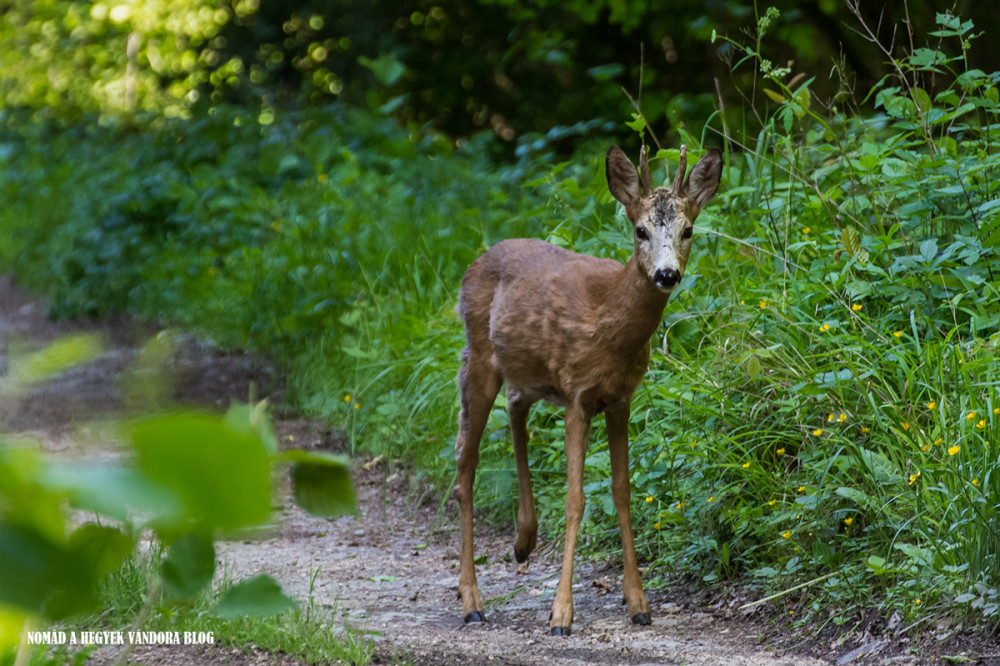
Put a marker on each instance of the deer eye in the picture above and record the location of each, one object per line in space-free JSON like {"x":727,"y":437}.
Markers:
{"x":641,"y":233}
{"x":687,"y":232}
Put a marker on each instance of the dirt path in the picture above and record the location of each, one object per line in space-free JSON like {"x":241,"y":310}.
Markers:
{"x":393,"y":571}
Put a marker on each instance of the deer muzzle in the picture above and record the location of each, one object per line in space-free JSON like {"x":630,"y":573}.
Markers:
{"x":666,"y":279}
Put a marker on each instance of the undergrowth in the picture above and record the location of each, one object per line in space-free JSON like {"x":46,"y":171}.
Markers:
{"x":312,"y":633}
{"x":822,"y":404}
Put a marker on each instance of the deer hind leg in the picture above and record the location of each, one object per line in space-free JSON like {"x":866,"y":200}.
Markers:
{"x":518,"y":406}
{"x":478,"y":386}
{"x":577,"y":438}
{"x":616,"y":418}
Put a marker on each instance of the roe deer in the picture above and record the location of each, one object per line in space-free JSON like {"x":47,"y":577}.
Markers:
{"x":572,"y":329}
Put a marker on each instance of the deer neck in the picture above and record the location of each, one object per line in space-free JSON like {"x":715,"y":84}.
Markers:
{"x":634,"y":308}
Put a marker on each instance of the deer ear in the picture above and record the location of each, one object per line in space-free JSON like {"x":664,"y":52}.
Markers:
{"x":703,"y":182}
{"x":623,"y":179}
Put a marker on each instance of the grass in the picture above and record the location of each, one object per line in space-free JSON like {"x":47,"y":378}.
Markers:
{"x":807,"y":407}
{"x":310,"y":633}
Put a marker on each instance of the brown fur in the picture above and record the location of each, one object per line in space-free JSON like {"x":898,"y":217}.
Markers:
{"x":574,"y":330}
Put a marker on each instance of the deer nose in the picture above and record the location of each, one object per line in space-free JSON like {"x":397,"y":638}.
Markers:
{"x":666,"y":278}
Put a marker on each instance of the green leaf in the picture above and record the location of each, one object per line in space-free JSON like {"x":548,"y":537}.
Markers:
{"x":925,"y":58}
{"x":253,"y":421}
{"x":877,"y":564}
{"x":260,"y":596}
{"x":189,"y":566}
{"x":831,"y":379}
{"x":921,"y":556}
{"x":853,"y":494}
{"x":638,"y":123}
{"x":857,"y":289}
{"x":849,"y":239}
{"x":29,"y":567}
{"x":893,"y":167}
{"x":116,"y":492}
{"x":928,"y":250}
{"x":57,"y":579}
{"x":881,"y":468}
{"x":221,"y":474}
{"x":99,"y":550}
{"x":321,"y":482}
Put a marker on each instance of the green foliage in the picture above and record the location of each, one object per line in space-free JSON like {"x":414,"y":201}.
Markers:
{"x":246,"y":615}
{"x":191,"y":478}
{"x":514,"y":68}
{"x":828,"y":392}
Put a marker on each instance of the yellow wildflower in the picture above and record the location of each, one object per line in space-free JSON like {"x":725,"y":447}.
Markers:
{"x":712,"y":498}
{"x":680,"y":505}
{"x":996,"y":410}
{"x":829,"y":419}
{"x":981,"y":424}
{"x":841,"y":418}
{"x":925,"y":448}
{"x":916,"y":602}
{"x":931,"y":405}
{"x":649,"y":499}
{"x":975,"y":482}
{"x":772,"y":502}
{"x":780,"y":451}
{"x":857,"y":307}
{"x":806,"y":230}
{"x":897,"y":334}
{"x":746,"y":465}
{"x":953,"y":450}
{"x":322,"y":178}
{"x":347,"y":398}
{"x":906,"y":426}
{"x":914,"y":477}
{"x":357,"y":405}
{"x":970,"y":416}
{"x":865,"y":429}
{"x":786,"y":535}
{"x":824,"y":327}
{"x":656,"y":526}
{"x":801,"y":489}
{"x":817,"y":432}
{"x":938,"y":441}
{"x":763,"y":303}
{"x":848,"y":521}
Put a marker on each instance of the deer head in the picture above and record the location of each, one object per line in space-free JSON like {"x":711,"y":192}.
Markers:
{"x":662,"y":218}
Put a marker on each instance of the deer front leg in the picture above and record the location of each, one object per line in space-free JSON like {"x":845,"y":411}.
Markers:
{"x":577,"y":438}
{"x":616,"y":418}
{"x":478,"y":391}
{"x":527,"y":520}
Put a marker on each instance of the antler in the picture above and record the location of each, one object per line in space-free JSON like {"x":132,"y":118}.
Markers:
{"x":647,"y":178}
{"x":682,"y":166}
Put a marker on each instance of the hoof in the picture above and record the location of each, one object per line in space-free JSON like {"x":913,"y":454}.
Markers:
{"x":642,"y":618}
{"x":560,"y":631}
{"x":521,"y":559}
{"x":476,"y":616}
